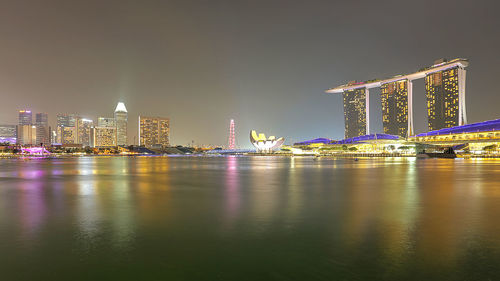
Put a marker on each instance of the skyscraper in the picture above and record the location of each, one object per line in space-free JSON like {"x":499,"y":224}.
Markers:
{"x":121,"y":117}
{"x":84,"y":127}
{"x":446,"y":98}
{"x":66,"y":129}
{"x":25,"y":117}
{"x":25,"y":128}
{"x":42,"y":129}
{"x":154,"y":131}
{"x":355,"y":112}
{"x":106,"y":122}
{"x":394,"y":97}
{"x":26,"y":134}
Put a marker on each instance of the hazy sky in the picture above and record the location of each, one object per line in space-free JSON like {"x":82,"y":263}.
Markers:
{"x":264,"y":63}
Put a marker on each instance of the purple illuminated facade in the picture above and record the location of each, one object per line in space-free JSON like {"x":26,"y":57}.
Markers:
{"x":315,"y":141}
{"x":35,"y":150}
{"x":486,"y":126}
{"x":372,"y":137}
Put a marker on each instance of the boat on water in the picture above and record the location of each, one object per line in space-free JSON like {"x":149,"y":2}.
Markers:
{"x":449,"y":153}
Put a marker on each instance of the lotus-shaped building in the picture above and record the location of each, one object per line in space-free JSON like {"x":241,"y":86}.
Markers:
{"x":264,"y":144}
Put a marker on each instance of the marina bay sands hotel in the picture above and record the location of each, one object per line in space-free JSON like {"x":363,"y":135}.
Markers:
{"x":445,"y":91}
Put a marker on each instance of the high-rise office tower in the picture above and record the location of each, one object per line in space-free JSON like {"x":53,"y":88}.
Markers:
{"x":8,"y":134}
{"x":25,"y":128}
{"x":154,"y":131}
{"x":106,"y":122}
{"x":25,"y":117}
{"x":446,"y":98}
{"x":66,"y":130}
{"x":394,"y":97}
{"x":66,"y":120}
{"x":121,"y":117}
{"x":355,"y":112}
{"x":84,"y":127}
{"x":42,"y":129}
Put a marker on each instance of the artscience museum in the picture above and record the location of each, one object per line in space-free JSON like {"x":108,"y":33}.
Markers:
{"x":264,"y":144}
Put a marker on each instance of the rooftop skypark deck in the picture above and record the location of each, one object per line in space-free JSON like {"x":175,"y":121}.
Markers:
{"x":413,"y":76}
{"x":444,"y":90}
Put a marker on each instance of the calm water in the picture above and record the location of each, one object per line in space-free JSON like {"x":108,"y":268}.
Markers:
{"x":249,"y":218}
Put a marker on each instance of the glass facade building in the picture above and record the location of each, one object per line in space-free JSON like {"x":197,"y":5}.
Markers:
{"x":66,"y":120}
{"x":106,"y":122}
{"x":25,"y":117}
{"x":66,"y":129}
{"x":394,"y":98}
{"x":121,"y":119}
{"x":355,"y":112}
{"x":42,"y":129}
{"x":25,"y":128}
{"x":84,"y":127}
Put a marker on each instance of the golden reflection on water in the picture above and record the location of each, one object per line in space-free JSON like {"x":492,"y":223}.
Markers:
{"x":432,"y":211}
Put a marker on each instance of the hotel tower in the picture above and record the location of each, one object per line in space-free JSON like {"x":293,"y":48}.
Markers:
{"x":445,"y":92}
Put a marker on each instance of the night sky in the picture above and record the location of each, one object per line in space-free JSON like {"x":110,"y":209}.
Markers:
{"x":264,"y":63}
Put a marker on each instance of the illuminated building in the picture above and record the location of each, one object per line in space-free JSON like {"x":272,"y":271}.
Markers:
{"x":26,"y":134}
{"x":83,"y":127}
{"x":445,"y":98}
{"x":103,"y":137}
{"x":24,"y":128}
{"x":67,"y":135}
{"x":154,"y":131}
{"x":25,"y":117}
{"x":264,"y":144}
{"x":445,"y":88}
{"x":66,"y":120}
{"x":8,"y":134}
{"x":106,"y":122}
{"x":121,"y":117}
{"x":35,"y":151}
{"x":480,"y":132}
{"x":66,"y":129}
{"x":394,"y":97}
{"x":318,"y":141}
{"x":42,"y":129}
{"x":355,"y":112}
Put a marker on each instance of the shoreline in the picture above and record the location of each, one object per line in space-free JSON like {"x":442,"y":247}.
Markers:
{"x":347,"y":155}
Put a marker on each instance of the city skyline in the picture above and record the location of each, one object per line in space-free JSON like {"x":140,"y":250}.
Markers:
{"x":279,"y":68}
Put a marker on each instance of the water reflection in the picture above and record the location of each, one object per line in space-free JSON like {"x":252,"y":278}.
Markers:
{"x":386,"y":219}
{"x":232,"y":188}
{"x":32,"y":206}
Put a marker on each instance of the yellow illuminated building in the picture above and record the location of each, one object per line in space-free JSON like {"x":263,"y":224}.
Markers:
{"x":355,"y":112}
{"x":154,"y":131}
{"x":445,"y":98}
{"x":26,"y":134}
{"x":103,"y":137}
{"x":394,"y":97}
{"x":84,"y":126}
{"x":67,"y":135}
